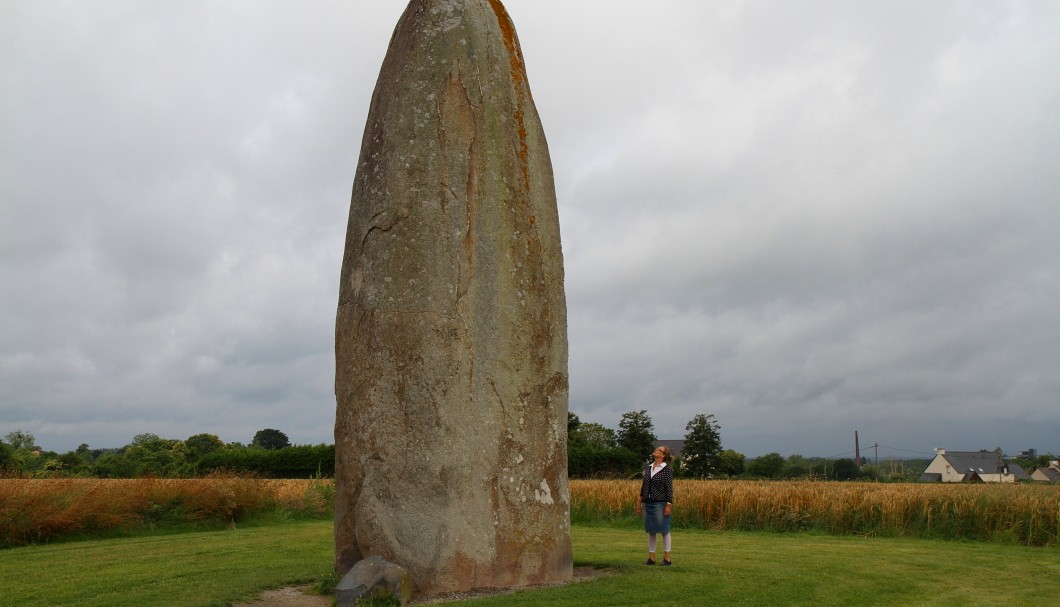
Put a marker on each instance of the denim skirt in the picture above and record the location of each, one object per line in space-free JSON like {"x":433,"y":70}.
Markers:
{"x":654,"y":519}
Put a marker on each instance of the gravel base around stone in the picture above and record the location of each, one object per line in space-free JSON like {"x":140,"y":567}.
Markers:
{"x":289,"y":597}
{"x":581,"y":574}
{"x":298,"y":597}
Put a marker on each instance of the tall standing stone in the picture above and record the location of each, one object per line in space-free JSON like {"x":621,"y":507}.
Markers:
{"x":451,"y":344}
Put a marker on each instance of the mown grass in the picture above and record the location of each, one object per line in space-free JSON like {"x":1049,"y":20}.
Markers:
{"x":1012,"y":513}
{"x":203,"y":569}
{"x":742,"y":569}
{"x":757,"y":570}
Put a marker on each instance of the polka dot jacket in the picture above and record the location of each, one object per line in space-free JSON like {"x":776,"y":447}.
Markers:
{"x":658,"y":488}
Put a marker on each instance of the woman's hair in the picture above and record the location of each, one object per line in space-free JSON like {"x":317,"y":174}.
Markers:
{"x":666,"y":454}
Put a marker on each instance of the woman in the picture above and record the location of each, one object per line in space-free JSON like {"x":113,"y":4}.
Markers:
{"x":656,"y":499}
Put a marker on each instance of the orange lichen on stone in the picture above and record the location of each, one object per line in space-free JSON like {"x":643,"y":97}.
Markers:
{"x":515,"y":57}
{"x":518,"y":71}
{"x":524,"y":147}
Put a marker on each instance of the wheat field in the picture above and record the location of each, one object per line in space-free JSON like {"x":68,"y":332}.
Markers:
{"x":1014,"y":513}
{"x":42,"y":510}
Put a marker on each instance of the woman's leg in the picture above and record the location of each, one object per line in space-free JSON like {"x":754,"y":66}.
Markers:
{"x":666,"y":547}
{"x":652,"y":543}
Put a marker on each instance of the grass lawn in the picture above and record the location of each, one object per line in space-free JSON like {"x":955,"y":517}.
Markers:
{"x":761,"y":569}
{"x":204,"y":569}
{"x":710,"y":568}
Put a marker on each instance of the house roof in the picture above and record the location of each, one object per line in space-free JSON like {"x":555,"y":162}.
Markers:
{"x":985,"y":462}
{"x":1018,"y":471}
{"x":981,"y":462}
{"x":1051,"y":473}
{"x":930,"y":477}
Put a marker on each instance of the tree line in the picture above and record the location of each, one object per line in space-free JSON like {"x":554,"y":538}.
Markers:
{"x":593,"y":451}
{"x":596,"y":451}
{"x":269,"y":454}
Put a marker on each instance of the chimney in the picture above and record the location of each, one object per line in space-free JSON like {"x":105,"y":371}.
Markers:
{"x":857,"y":451}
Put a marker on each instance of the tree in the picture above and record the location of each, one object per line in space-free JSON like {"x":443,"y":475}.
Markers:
{"x":152,"y":455}
{"x":200,"y":444}
{"x":593,"y":436}
{"x":270,"y":439}
{"x":114,"y":465}
{"x":766,"y":466}
{"x":797,"y":466}
{"x":702,"y":446}
{"x":845,"y":469}
{"x":572,"y":422}
{"x":74,"y":462}
{"x":20,"y":440}
{"x":7,"y":458}
{"x":584,"y":462}
{"x":146,"y":438}
{"x":731,"y":463}
{"x":636,"y":433}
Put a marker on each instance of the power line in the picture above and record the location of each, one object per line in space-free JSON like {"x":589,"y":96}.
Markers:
{"x":839,"y":455}
{"x":906,"y":450}
{"x":881,"y":447}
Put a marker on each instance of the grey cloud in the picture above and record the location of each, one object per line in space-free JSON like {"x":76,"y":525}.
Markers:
{"x":803,"y":218}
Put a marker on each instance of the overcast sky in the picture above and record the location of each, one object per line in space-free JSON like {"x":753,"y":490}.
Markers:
{"x":806,"y":218}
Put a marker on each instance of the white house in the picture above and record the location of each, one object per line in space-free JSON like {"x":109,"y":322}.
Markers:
{"x":971,"y":466}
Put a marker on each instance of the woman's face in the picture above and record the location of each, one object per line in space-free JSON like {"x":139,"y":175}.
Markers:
{"x":658,"y":454}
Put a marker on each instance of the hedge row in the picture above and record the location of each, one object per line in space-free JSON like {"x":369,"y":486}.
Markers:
{"x":291,"y":462}
{"x":308,"y":461}
{"x":586,"y":462}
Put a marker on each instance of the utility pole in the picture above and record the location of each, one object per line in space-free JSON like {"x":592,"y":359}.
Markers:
{"x":876,"y":447}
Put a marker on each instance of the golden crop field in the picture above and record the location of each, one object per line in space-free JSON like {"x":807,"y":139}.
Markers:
{"x":1012,"y":513}
{"x":39,"y":510}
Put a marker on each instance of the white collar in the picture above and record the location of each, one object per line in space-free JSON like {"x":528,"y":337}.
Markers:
{"x":654,"y":470}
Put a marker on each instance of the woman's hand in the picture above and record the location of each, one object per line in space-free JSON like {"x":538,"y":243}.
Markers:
{"x":637,"y":507}
{"x":666,"y":511}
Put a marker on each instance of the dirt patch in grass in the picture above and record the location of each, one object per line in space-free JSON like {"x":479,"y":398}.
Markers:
{"x":289,"y":597}
{"x":299,"y":596}
{"x":581,"y":574}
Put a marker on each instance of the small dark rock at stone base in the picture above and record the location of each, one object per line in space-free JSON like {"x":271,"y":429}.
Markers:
{"x":374,"y":577}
